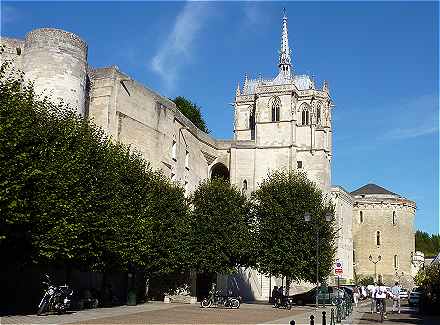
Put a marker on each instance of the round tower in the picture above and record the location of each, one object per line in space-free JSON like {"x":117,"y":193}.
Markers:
{"x":383,"y":228}
{"x":56,"y":61}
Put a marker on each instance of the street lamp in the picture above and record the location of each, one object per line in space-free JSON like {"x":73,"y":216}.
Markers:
{"x":308,"y":218}
{"x":375,"y":262}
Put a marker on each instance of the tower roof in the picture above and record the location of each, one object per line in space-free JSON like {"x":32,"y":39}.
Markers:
{"x":372,"y":189}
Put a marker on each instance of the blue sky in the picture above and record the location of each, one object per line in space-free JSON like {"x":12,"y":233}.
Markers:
{"x":380,"y":58}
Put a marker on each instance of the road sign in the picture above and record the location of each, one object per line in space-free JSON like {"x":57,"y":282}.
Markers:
{"x":338,"y":267}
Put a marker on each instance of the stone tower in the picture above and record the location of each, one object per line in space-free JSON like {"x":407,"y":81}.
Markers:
{"x":383,"y":225}
{"x":56,"y":61}
{"x":282,"y":123}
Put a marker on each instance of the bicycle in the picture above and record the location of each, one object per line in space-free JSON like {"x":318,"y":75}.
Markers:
{"x":381,"y":309}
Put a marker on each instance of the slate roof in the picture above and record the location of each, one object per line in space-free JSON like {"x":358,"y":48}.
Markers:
{"x":372,"y":189}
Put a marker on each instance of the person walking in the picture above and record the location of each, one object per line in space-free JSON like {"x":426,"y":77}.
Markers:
{"x":274,"y":296}
{"x":381,"y":295}
{"x":395,"y":290}
{"x":372,"y":292}
{"x":355,"y":295}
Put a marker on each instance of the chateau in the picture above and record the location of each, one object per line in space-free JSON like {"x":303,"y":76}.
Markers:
{"x":284,"y":122}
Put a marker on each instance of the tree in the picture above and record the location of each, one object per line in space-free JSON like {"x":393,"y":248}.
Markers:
{"x":428,"y":244}
{"x":191,"y":111}
{"x":286,"y":244}
{"x":221,"y":227}
{"x":70,"y":195}
{"x":429,"y":280}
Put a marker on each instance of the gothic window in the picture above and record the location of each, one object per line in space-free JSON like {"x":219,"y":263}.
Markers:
{"x":305,"y":114}
{"x":361,"y":217}
{"x":244,"y":187}
{"x":252,"y":123}
{"x":276,"y":105}
{"x":378,"y":238}
{"x":396,"y":261}
{"x":318,"y":114}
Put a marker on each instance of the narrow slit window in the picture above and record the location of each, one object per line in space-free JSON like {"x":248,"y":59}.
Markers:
{"x":396,"y":261}
{"x":394,"y":218}
{"x":361,"y":217}
{"x":378,"y":238}
{"x":187,"y":159}
{"x":174,"y":150}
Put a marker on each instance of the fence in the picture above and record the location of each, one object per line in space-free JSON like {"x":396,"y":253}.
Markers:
{"x":343,"y":310}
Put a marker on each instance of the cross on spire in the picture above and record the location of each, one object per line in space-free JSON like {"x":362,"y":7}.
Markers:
{"x":284,"y":64}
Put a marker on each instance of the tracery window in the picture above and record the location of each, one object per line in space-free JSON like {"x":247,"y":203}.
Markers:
{"x":305,"y":114}
{"x":276,"y":106}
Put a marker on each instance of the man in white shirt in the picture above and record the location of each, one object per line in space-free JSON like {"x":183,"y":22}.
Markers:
{"x":380,"y":293}
{"x":395,"y":290}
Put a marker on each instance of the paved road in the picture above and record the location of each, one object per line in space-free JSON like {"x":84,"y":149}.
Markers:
{"x":160,"y":313}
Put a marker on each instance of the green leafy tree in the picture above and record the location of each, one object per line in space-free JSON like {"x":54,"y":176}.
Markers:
{"x":428,"y":244}
{"x":69,"y":195}
{"x":192,"y":112}
{"x":286,"y":244}
{"x":429,"y":280}
{"x":221,"y":227}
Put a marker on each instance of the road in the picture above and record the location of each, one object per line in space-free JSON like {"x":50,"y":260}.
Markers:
{"x":160,"y":313}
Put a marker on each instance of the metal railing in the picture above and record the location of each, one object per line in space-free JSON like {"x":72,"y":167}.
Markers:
{"x":344,"y":308}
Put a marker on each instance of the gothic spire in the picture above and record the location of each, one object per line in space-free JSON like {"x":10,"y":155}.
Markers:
{"x":284,"y":64}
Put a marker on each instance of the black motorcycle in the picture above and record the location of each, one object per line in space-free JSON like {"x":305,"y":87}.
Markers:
{"x":284,"y":302}
{"x":55,"y":299}
{"x":217,"y":299}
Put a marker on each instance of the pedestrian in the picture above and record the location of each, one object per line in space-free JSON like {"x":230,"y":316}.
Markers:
{"x":280,"y":296}
{"x":274,"y":296}
{"x":381,"y":295}
{"x":355,"y":295}
{"x":395,"y":291}
{"x":372,"y":292}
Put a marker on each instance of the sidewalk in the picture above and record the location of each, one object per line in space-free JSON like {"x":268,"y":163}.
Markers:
{"x":84,"y":315}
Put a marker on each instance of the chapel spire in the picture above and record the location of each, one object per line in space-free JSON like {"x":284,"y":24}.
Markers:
{"x":284,"y":64}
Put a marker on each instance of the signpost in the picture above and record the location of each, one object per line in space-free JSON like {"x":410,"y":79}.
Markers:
{"x":338,"y":269}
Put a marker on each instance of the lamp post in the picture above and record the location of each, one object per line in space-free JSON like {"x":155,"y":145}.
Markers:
{"x":308,"y":218}
{"x":375,"y":262}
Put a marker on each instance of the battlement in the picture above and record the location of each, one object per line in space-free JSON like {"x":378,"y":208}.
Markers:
{"x":57,"y":38}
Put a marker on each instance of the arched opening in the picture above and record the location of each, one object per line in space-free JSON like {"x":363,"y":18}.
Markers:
{"x":244,"y":187}
{"x":252,"y":123}
{"x":276,"y":105}
{"x":219,"y":170}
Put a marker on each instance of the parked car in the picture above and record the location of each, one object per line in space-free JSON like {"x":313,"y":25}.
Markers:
{"x":403,"y":293}
{"x":326,"y":295}
{"x":348,"y":291}
{"x":414,"y":296}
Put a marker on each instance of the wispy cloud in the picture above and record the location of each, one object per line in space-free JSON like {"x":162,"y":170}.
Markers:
{"x":177,"y":49}
{"x":252,"y":14}
{"x":415,"y":118}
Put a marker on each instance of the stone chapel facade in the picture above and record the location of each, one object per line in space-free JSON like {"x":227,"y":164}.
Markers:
{"x":283,"y":122}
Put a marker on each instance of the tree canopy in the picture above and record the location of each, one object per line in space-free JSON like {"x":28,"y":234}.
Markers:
{"x":221,"y":227}
{"x":286,"y":244}
{"x":192,"y":112}
{"x":428,"y":244}
{"x":70,"y":195}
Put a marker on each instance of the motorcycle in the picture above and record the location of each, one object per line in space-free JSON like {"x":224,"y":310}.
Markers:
{"x":284,"y":302}
{"x":55,"y":298}
{"x":217,"y":299}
